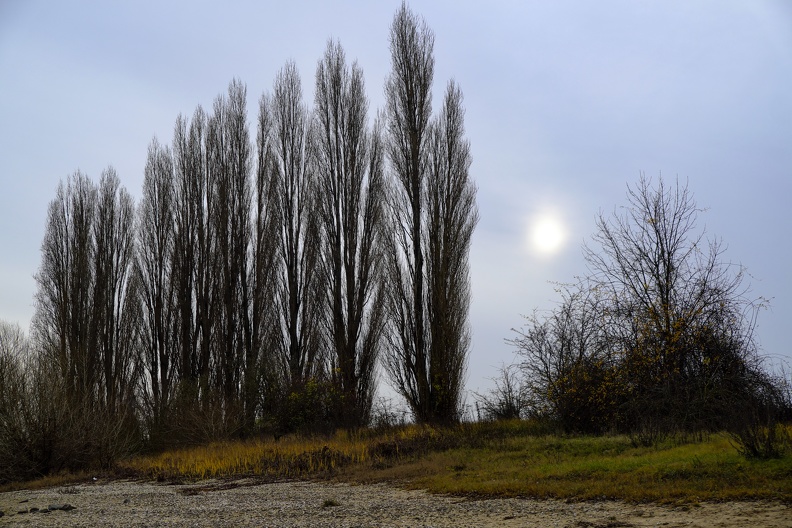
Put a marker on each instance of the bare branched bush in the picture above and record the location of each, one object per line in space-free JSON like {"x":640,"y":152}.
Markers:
{"x":756,"y":426}
{"x":386,"y":414}
{"x":509,"y":399}
{"x":13,"y":401}
{"x":42,"y":428}
{"x":659,"y":338}
{"x":568,"y":371}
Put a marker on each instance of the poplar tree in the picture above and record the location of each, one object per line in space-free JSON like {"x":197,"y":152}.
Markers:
{"x":349,"y":165}
{"x":432,"y":214}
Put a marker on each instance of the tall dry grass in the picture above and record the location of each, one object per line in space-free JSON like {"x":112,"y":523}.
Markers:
{"x":289,"y":457}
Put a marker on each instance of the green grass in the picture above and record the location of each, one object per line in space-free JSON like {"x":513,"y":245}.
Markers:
{"x":590,"y":468}
{"x":506,"y":459}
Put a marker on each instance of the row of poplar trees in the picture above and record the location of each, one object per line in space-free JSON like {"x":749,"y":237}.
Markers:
{"x":264,"y":275}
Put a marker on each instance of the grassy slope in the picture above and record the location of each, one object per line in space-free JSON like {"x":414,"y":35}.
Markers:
{"x":585,"y":468}
{"x":491,"y":460}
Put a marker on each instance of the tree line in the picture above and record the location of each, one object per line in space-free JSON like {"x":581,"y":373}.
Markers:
{"x":262,"y":277}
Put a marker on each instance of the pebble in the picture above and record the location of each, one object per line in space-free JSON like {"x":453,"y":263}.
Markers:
{"x":300,"y":504}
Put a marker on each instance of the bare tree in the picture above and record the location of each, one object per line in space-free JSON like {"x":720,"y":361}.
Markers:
{"x":228,"y":150}
{"x":350,"y":201}
{"x":658,"y":338}
{"x":671,"y":301}
{"x":194,"y":303}
{"x":452,"y":216}
{"x":85,"y":322}
{"x":62,"y":321}
{"x":115,"y":318}
{"x":408,"y":93}
{"x":196,"y":272}
{"x":286,"y":120}
{"x":156,"y":286}
{"x":194,"y":253}
{"x":432,"y":217}
{"x":266,"y":336}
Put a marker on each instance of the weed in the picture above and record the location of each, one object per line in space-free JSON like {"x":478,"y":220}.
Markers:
{"x":330,"y":503}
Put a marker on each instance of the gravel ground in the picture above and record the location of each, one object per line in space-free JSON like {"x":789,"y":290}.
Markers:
{"x":321,"y":504}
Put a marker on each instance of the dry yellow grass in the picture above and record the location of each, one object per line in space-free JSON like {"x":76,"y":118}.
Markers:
{"x":49,"y":481}
{"x":286,"y":458}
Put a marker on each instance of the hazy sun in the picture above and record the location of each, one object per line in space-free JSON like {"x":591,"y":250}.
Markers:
{"x":547,"y":234}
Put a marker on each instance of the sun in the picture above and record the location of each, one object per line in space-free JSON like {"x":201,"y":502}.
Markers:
{"x":547,"y":234}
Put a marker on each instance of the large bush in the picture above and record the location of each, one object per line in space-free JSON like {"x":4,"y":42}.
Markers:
{"x":658,"y":338}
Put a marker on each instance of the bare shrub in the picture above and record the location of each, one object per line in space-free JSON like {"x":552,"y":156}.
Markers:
{"x":13,"y":395}
{"x":659,"y":338}
{"x":386,"y":414}
{"x":756,"y":426}
{"x":509,"y":399}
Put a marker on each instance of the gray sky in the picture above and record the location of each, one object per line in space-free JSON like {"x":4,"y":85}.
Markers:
{"x":566,"y":102}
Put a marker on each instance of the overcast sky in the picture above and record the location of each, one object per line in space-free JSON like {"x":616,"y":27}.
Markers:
{"x":567,"y":103}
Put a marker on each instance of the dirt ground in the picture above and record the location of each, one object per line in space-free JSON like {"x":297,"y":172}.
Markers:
{"x":321,"y":504}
